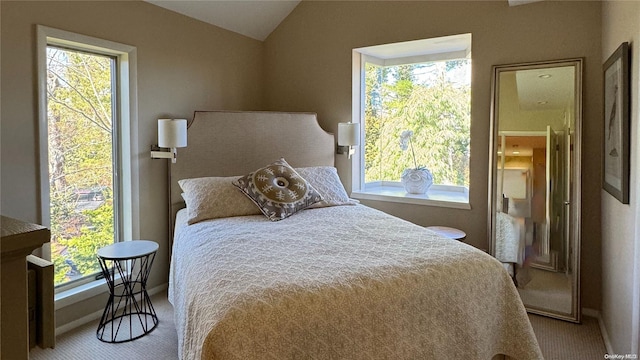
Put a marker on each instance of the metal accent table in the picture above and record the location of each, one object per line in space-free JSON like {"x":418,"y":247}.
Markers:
{"x":129,"y":313}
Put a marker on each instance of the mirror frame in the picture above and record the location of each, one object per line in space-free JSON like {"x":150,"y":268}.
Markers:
{"x":576,"y":187}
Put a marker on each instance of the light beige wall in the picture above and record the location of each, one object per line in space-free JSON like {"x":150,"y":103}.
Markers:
{"x":183,"y":65}
{"x":308,"y":63}
{"x":620,"y":222}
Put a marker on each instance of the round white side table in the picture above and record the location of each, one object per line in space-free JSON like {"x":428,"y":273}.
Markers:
{"x":448,"y":232}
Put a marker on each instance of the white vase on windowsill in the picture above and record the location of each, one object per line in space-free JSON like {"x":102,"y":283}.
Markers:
{"x":417,"y":180}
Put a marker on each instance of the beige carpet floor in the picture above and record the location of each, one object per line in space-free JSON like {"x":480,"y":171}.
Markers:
{"x":558,"y":340}
{"x":565,"y":340}
{"x":81,"y":343}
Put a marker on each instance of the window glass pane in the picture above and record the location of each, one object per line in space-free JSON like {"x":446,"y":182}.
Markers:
{"x":80,"y":146}
{"x":432,"y":101}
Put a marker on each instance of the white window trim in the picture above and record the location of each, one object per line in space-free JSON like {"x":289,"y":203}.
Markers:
{"x":438,"y":195}
{"x":449,"y":196}
{"x":127,"y":110}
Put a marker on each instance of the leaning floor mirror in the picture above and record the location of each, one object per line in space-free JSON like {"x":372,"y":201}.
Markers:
{"x":534,"y":184}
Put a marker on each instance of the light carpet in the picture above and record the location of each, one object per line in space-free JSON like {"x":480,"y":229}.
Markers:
{"x":81,"y":343}
{"x":558,"y":340}
{"x":567,"y":341}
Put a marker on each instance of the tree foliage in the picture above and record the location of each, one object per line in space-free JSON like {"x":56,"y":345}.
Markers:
{"x":434,"y":107}
{"x":79,"y":111}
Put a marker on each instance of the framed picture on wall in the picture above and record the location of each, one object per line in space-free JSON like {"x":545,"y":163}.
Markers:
{"x":615,"y":157}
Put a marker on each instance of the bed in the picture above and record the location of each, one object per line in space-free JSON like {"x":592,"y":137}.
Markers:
{"x":337,"y":280}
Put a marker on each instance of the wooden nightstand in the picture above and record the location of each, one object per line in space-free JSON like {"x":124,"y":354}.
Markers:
{"x":17,"y":240}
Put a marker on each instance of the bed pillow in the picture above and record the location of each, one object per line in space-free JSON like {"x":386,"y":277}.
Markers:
{"x":278,"y":190}
{"x":214,"y":197}
{"x":326,"y":181}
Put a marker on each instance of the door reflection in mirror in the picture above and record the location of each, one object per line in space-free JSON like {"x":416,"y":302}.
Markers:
{"x":534,"y":177}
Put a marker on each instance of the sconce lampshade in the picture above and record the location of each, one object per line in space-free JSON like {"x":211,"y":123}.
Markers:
{"x":172,"y":133}
{"x":348,"y":134}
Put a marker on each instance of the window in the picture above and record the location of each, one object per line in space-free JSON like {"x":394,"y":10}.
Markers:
{"x":81,"y":144}
{"x":87,"y":171}
{"x":422,"y":88}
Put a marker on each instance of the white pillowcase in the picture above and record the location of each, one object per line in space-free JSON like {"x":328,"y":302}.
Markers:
{"x":215,"y":197}
{"x":326,"y":181}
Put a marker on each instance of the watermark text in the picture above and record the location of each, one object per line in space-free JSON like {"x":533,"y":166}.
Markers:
{"x":620,"y":356}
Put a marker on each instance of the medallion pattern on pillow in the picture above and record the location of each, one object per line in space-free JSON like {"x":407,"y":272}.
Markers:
{"x":278,"y":190}
{"x":326,"y":181}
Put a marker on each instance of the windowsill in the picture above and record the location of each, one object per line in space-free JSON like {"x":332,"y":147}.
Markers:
{"x":79,"y":293}
{"x":449,"y":196}
{"x":82,"y":292}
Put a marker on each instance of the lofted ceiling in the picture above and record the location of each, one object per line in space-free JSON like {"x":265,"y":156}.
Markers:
{"x":253,"y":18}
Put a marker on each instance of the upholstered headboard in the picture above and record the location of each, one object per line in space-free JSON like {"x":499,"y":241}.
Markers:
{"x":227,"y":143}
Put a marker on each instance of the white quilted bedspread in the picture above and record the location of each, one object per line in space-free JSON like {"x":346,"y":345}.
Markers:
{"x":344,"y":282}
{"x":509,"y":242}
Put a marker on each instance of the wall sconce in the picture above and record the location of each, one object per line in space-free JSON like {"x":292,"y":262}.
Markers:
{"x":348,"y":138}
{"x":172,"y":134}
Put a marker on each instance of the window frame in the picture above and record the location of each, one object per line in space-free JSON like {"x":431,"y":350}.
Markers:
{"x":439,"y":195}
{"x":125,"y":140}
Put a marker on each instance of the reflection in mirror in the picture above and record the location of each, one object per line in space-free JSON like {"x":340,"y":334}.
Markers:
{"x":535,"y":182}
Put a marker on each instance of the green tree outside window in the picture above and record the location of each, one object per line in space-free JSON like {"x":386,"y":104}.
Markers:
{"x":430,"y":99}
{"x":80,"y":146}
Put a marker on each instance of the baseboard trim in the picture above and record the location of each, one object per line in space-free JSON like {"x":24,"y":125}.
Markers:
{"x":590,"y":313}
{"x":603,"y":330}
{"x":96,"y":315}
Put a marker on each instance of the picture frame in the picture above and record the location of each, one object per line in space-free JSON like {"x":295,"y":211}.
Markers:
{"x":615,"y":150}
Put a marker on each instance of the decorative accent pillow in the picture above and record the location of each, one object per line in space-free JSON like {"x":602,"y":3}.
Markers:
{"x":278,"y":190}
{"x":215,"y":197}
{"x":326,"y":181}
